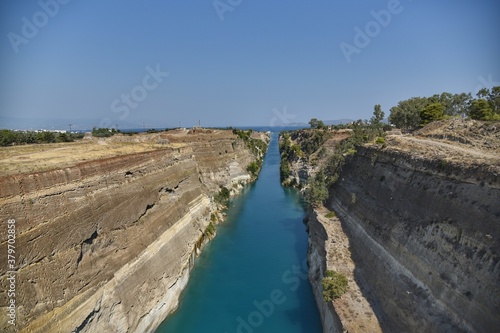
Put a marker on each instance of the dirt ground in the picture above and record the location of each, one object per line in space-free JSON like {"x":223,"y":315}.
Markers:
{"x":458,"y":141}
{"x":41,"y":157}
{"x":353,"y":308}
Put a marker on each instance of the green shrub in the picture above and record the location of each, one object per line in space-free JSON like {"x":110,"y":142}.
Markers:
{"x":285,"y":171}
{"x":103,"y":132}
{"x":210,"y":230}
{"x":253,"y":168}
{"x":330,"y":215}
{"x":431,"y":112}
{"x":213,"y":218}
{"x":351,"y":151}
{"x":480,"y":110}
{"x":334,"y":285}
{"x":380,"y":140}
{"x":223,"y":196}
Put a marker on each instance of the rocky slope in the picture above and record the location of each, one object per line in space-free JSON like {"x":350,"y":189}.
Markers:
{"x":106,"y":245}
{"x":421,"y":216}
{"x":330,"y":249}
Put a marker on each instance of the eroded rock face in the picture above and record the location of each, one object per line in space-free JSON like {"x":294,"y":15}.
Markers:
{"x":420,"y":216}
{"x":425,"y":237}
{"x":330,"y":249}
{"x":107,"y":245}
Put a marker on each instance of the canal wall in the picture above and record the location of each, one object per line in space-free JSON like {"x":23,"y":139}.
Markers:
{"x":107,"y":245}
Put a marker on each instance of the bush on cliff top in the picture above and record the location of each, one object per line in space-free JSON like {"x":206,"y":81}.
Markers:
{"x":334,"y":285}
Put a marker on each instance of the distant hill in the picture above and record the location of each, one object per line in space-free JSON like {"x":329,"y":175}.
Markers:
{"x":338,"y":121}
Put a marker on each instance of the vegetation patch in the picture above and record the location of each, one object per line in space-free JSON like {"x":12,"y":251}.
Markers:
{"x":335,"y":285}
{"x":409,"y":114}
{"x":210,"y":230}
{"x":380,"y":141}
{"x":104,"y":132}
{"x":223,"y":196}
{"x":317,"y":192}
{"x":254,"y":168}
{"x":330,"y":215}
{"x":10,"y":138}
{"x":256,"y":146}
{"x":213,"y":218}
{"x":353,"y":198}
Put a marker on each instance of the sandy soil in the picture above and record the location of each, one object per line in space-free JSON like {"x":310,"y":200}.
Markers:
{"x":42,"y":157}
{"x":353,"y":308}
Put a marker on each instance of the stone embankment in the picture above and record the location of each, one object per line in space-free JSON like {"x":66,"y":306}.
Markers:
{"x":107,"y":244}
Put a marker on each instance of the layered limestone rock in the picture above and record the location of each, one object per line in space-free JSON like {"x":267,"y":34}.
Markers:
{"x":425,"y":235}
{"x":107,"y":245}
{"x":417,"y":234}
{"x":330,"y":249}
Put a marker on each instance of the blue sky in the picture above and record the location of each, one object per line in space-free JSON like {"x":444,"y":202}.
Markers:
{"x":267,"y":62}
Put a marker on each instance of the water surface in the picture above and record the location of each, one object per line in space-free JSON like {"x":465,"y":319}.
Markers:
{"x":253,"y":276}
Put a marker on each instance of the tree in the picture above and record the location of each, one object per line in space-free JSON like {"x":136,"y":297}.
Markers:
{"x":483,"y":93}
{"x":432,"y":112}
{"x":480,"y":110}
{"x":317,"y":124}
{"x":317,"y":191}
{"x":253,"y":168}
{"x":495,"y":99}
{"x":378,"y":116}
{"x":63,"y":137}
{"x":7,"y":137}
{"x":460,"y":105}
{"x":223,"y":196}
{"x":447,"y":101}
{"x":46,"y":137}
{"x":406,"y":115}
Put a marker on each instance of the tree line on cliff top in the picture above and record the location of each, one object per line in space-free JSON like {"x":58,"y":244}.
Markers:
{"x":414,"y":112}
{"x":10,"y":137}
{"x":303,"y":144}
{"x":407,"y":115}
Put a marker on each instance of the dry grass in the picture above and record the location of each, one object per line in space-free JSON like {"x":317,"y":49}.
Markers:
{"x":41,"y":157}
{"x":458,"y":141}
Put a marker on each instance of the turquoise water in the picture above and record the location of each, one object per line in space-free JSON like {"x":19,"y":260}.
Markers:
{"x":253,"y":276}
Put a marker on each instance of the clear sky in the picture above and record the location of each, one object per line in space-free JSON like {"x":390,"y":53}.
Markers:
{"x":237,"y":62}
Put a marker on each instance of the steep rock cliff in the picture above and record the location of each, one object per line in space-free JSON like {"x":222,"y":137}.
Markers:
{"x":420,"y":214}
{"x":107,"y":245}
{"x":426,"y":238}
{"x":330,"y":249}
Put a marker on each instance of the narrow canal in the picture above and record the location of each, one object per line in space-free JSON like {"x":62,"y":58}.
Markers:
{"x":253,"y":276}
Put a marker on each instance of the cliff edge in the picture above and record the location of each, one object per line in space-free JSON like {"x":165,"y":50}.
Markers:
{"x":420,"y":215}
{"x":106,"y":236}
